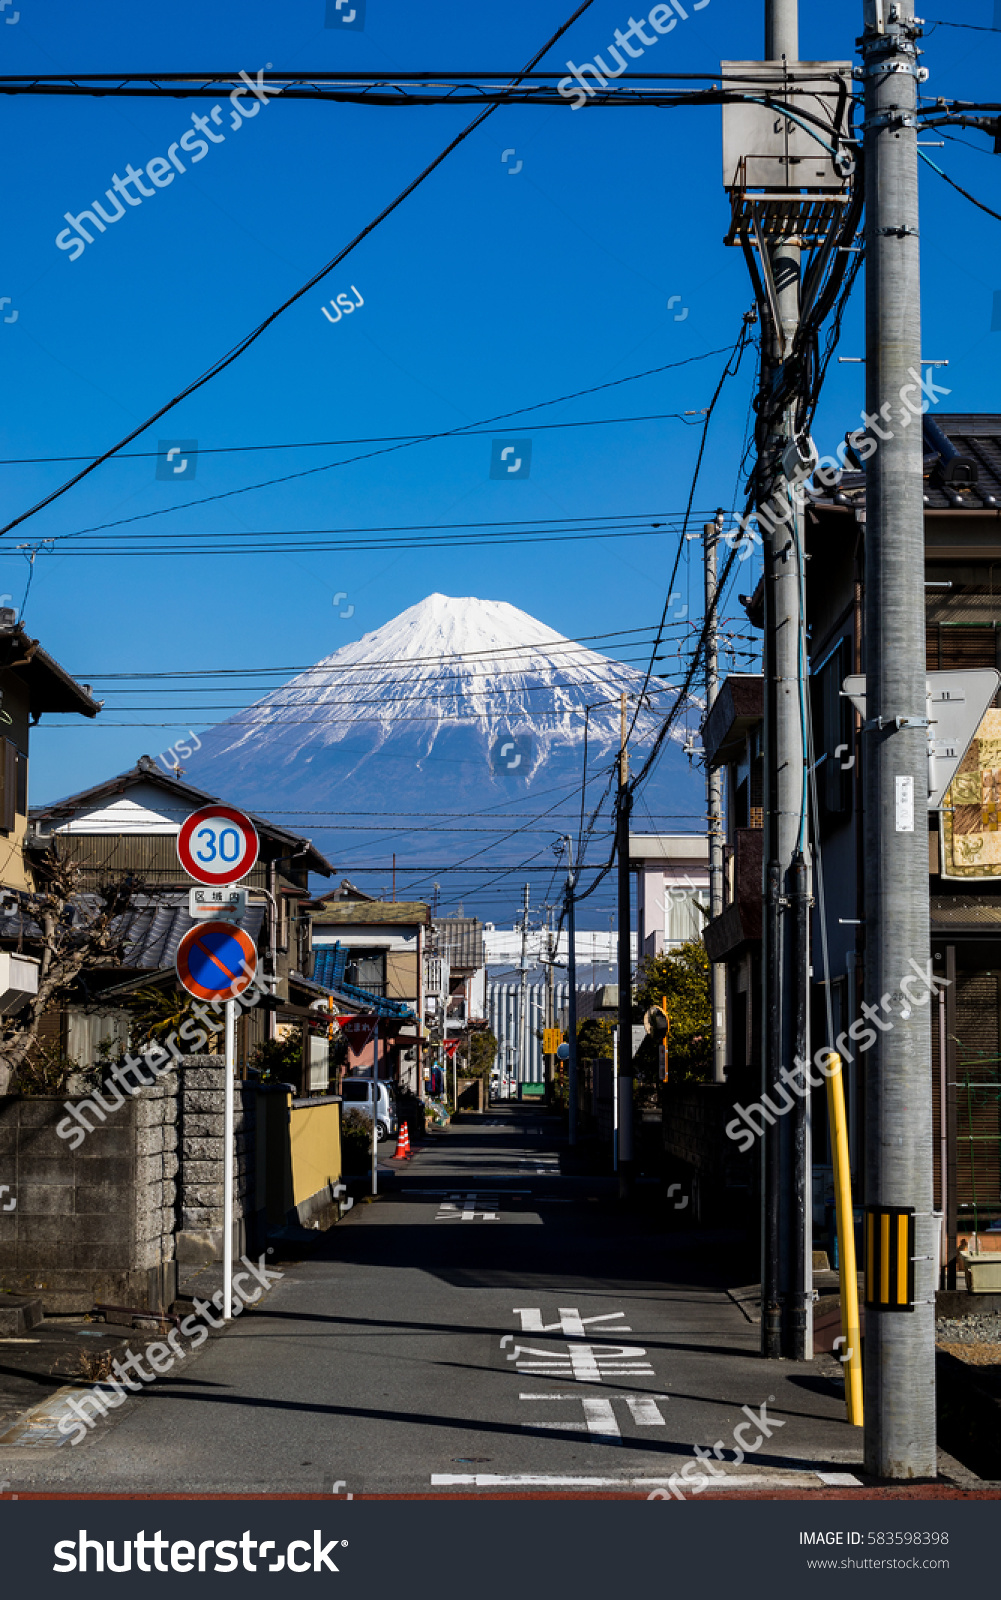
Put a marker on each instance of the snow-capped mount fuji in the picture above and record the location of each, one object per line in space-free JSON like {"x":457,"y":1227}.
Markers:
{"x":455,"y":704}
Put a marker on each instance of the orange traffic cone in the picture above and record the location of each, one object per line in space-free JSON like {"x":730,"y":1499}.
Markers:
{"x":402,"y":1144}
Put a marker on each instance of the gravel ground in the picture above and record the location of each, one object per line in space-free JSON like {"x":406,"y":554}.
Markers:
{"x":976,"y":1338}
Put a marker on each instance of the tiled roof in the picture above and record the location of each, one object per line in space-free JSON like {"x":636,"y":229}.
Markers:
{"x":958,"y":447}
{"x":153,"y":929}
{"x":329,"y":962}
{"x":375,"y":912}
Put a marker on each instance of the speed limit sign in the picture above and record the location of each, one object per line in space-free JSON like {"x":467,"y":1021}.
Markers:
{"x":217,"y":844}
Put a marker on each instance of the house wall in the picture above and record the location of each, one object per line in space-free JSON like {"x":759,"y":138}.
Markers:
{"x":402,"y":975}
{"x":14,"y":873}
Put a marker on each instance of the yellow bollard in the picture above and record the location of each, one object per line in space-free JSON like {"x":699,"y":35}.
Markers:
{"x":846,"y":1241}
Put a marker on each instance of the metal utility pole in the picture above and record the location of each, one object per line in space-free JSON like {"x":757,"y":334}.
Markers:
{"x":623,"y":1086}
{"x":523,"y":995}
{"x":787,"y":1243}
{"x":714,"y":801}
{"x":899,"y":1345}
{"x":572,"y":994}
{"x":549,"y":1060}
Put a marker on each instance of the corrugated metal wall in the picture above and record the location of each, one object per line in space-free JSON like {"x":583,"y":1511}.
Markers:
{"x":504,"y":1018}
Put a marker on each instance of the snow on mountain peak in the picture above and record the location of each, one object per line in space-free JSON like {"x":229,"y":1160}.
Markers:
{"x":441,"y":665}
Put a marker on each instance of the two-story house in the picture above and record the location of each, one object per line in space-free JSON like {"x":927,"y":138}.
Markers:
{"x":32,"y":685}
{"x":962,"y":500}
{"x":128,"y":827}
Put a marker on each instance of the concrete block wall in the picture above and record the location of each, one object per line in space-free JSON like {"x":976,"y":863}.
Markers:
{"x":95,"y":1222}
{"x":201,"y":1122}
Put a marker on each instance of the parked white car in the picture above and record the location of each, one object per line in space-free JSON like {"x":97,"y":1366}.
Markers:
{"x":356,"y":1095}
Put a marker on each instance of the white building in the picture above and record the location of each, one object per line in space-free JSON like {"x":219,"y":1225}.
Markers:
{"x":673,"y":883}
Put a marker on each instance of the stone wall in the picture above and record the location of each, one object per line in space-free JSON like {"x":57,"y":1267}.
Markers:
{"x":94,"y":1222}
{"x":201,"y":1119}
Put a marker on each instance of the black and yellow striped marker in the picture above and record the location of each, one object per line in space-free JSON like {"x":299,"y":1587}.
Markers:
{"x":889,"y":1258}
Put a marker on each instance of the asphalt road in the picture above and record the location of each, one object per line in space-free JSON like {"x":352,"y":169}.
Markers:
{"x":487,"y":1324}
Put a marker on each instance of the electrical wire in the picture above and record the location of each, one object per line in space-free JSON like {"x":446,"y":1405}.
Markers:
{"x":959,"y":187}
{"x":238,"y":350}
{"x":316,"y":444}
{"x":729,"y":370}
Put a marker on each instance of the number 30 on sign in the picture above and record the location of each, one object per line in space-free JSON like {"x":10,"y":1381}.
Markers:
{"x":217,"y":844}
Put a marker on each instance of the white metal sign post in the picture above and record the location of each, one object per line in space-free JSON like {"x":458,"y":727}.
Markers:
{"x":227,"y":1162}
{"x":218,"y":845}
{"x":375,"y":1109}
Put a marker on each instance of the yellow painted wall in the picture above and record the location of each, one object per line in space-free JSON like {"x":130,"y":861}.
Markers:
{"x":14,"y":872}
{"x":315,"y":1133}
{"x":401,"y":975}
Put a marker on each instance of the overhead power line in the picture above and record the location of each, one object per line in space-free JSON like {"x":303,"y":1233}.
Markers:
{"x":959,"y":187}
{"x":245,"y":343}
{"x":458,"y":432}
{"x":496,"y":652}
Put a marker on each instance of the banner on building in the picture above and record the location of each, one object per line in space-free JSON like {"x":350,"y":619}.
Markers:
{"x":969,"y":840}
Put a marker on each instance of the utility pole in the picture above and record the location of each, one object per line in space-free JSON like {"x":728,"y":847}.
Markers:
{"x":899,"y":1348}
{"x":714,"y":800}
{"x":787,"y":1243}
{"x":623,"y":1086}
{"x":572,"y":994}
{"x":549,"y":1059}
{"x":523,"y":995}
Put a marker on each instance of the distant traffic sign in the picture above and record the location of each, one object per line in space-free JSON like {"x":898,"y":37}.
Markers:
{"x":216,"y":961}
{"x":217,"y":844}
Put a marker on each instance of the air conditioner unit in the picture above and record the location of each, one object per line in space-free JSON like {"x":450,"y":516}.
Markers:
{"x":18,"y":980}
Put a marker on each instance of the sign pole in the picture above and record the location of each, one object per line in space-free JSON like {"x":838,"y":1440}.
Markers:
{"x":375,"y":1109}
{"x":227,"y":1169}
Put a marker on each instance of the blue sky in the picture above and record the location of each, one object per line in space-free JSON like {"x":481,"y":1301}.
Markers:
{"x":489,"y":289}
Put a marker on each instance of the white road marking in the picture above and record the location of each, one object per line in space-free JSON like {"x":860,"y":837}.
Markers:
{"x":453,"y":1193}
{"x":474,"y":1206}
{"x":645,"y":1411}
{"x":599,"y":1417}
{"x":531,"y":1480}
{"x":571,"y":1323}
{"x":582,"y":1363}
{"x":599,"y":1412}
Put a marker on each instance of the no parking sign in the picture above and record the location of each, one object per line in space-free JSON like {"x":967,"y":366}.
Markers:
{"x":216,"y":961}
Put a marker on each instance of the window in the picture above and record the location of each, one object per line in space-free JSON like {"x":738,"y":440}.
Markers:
{"x":367,"y":970}
{"x":354,"y":1091}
